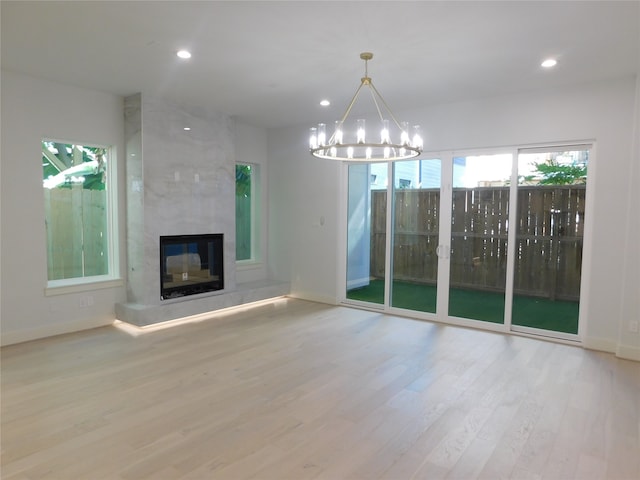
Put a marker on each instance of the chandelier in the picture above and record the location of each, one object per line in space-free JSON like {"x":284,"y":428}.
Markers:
{"x":356,"y":144}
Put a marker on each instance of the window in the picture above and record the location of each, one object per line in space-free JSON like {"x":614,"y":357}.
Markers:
{"x":247,"y":200}
{"x":77,"y":212}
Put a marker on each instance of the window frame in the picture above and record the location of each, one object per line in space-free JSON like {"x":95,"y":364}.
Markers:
{"x":112,"y":278}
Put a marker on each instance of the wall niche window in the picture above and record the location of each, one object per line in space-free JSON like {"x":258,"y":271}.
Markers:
{"x":247,"y":201}
{"x":77,"y":212}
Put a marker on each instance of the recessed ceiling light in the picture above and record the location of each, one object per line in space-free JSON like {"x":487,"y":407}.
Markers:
{"x":186,"y":129}
{"x":184,"y":54}
{"x":325,"y":103}
{"x":549,"y":62}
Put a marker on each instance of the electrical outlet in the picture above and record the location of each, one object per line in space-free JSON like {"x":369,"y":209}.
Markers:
{"x":633,"y":326}
{"x":86,"y":301}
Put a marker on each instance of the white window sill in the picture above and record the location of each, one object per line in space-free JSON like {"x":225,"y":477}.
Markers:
{"x":63,"y":287}
{"x":248,"y":265}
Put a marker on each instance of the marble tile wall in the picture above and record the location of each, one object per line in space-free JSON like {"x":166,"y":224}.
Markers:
{"x":178,"y":182}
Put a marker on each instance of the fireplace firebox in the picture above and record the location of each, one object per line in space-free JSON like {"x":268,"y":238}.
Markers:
{"x":191,"y":264}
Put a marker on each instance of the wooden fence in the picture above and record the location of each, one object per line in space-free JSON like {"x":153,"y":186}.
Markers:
{"x":550,"y":227}
{"x":76,"y":224}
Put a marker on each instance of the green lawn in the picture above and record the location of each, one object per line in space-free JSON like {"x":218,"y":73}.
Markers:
{"x":535,"y":312}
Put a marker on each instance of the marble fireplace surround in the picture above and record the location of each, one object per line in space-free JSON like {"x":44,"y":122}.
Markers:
{"x":179,"y":182}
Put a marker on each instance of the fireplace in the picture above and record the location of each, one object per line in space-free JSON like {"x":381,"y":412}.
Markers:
{"x":190,"y":264}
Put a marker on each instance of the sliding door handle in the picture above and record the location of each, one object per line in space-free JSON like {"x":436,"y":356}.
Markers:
{"x":442,"y":251}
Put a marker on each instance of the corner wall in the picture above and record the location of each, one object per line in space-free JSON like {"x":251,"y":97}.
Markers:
{"x":628,"y":341}
{"x":33,"y":109}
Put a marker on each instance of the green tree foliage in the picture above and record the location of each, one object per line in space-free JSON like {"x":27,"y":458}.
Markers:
{"x":94,"y":178}
{"x":554,"y":173}
{"x":243,"y":180}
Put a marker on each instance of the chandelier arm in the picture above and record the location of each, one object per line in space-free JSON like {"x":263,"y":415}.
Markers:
{"x":353,"y":101}
{"x":348,"y":110}
{"x":385,"y":105}
{"x":375,"y":102}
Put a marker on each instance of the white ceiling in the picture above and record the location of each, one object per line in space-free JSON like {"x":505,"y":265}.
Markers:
{"x":270,"y":63}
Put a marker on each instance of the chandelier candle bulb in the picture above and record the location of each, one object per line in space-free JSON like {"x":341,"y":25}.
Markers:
{"x":404,"y":136}
{"x":337,"y":136}
{"x":360,"y":131}
{"x":322,"y":134}
{"x":417,"y":137}
{"x":313,"y":138}
{"x":384,"y":133}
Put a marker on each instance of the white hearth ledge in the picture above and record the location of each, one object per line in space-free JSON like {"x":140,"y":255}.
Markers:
{"x":142,"y":315}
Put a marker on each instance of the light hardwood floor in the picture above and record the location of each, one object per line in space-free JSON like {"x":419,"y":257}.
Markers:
{"x":298,"y":390}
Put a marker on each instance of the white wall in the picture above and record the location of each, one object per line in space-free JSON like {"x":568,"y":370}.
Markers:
{"x":33,"y":109}
{"x":303,"y":188}
{"x":302,"y":191}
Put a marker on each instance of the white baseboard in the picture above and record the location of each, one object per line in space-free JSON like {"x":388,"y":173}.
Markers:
{"x":20,"y":336}
{"x":600,"y":344}
{"x":628,"y":353}
{"x":314,"y":298}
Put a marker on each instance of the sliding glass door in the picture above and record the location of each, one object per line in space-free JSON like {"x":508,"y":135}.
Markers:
{"x":549,"y":239}
{"x":366,"y":232}
{"x":415,"y":239}
{"x":479,"y":229}
{"x":491,"y":237}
